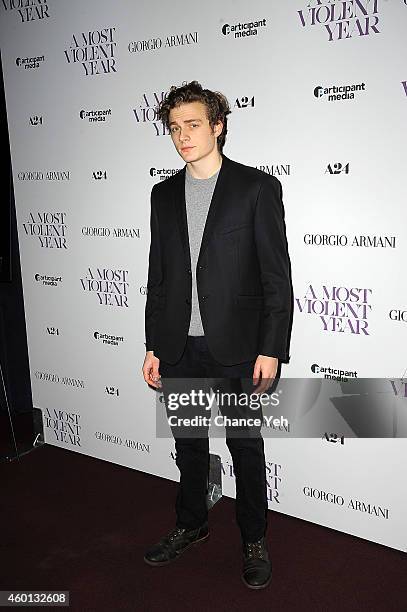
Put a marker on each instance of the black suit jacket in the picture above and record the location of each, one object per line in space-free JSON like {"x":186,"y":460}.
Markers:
{"x":243,"y":270}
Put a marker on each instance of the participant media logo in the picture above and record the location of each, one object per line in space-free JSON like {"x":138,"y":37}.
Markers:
{"x":110,"y":339}
{"x":336,"y":93}
{"x":163,"y":173}
{"x":330,"y":373}
{"x":242,"y":30}
{"x":48,"y":280}
{"x":342,"y":19}
{"x":29,"y":63}
{"x":95,"y":115}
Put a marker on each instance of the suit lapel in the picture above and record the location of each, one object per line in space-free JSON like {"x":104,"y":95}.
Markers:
{"x":181,"y":211}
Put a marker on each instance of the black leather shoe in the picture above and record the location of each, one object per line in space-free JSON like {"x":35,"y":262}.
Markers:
{"x":171,"y":546}
{"x":256,"y":564}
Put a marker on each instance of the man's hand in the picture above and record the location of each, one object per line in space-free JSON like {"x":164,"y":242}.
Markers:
{"x":150,"y":370}
{"x":267,"y":367}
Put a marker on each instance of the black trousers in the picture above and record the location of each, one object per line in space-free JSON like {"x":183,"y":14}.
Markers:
{"x":192,"y":453}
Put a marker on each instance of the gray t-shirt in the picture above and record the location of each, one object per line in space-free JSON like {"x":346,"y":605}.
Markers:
{"x":198,"y":196}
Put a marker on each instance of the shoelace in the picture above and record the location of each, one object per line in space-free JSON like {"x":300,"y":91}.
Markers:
{"x":174,"y":533}
{"x":255,"y":550}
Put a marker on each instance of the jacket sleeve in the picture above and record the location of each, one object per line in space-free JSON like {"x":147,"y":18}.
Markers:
{"x":275,"y":270}
{"x":154,"y":276}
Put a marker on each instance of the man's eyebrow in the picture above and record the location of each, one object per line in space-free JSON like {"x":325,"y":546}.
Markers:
{"x":187,"y":121}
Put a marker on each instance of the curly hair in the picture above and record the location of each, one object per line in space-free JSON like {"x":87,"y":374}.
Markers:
{"x":217,"y":106}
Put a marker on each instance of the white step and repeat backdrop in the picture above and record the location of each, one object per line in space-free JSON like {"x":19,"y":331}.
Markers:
{"x":318,"y":91}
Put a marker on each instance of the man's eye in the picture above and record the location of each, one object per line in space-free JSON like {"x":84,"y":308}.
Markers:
{"x":173,"y":129}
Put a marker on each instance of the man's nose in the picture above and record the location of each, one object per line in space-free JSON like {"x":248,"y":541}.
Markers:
{"x":183,"y":136}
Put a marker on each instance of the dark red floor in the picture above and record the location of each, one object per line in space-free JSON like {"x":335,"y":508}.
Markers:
{"x":80,"y":524}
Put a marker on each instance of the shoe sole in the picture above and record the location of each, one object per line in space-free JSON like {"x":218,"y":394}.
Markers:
{"x":256,"y":586}
{"x":179,"y":554}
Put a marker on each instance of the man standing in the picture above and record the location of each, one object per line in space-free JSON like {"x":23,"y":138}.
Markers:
{"x":219,"y":304}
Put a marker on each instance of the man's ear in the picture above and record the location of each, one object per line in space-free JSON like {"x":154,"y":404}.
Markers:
{"x":217,"y":128}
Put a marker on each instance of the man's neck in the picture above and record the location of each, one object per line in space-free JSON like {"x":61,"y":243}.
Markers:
{"x":206,"y":167}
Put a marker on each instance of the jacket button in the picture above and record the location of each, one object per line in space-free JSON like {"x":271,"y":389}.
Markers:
{"x":201,"y":268}
{"x":204,"y":297}
{"x":189,"y":271}
{"x":188,"y":301}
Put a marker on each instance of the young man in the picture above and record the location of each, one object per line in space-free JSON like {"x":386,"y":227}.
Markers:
{"x":219,"y":304}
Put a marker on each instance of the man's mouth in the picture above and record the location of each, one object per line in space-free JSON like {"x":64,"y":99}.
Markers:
{"x":186,"y":149}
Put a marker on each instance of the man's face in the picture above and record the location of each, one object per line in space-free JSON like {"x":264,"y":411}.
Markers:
{"x":191,"y":133}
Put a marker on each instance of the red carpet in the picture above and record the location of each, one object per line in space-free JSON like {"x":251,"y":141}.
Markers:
{"x":76,"y":523}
